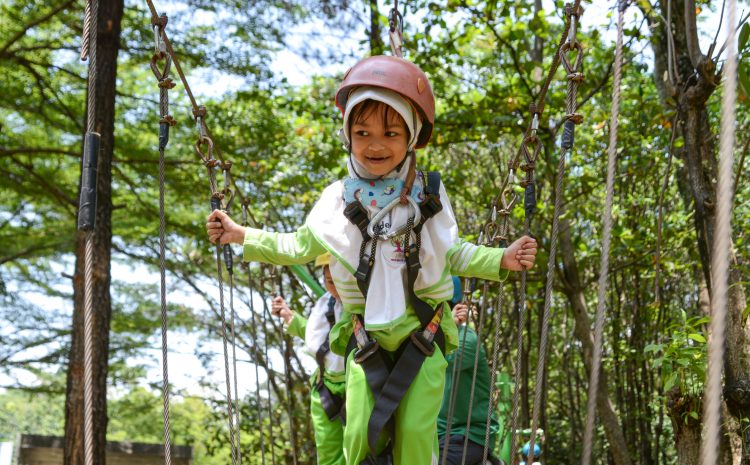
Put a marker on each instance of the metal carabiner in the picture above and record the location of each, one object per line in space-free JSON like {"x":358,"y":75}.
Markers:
{"x":381,"y":214}
{"x":208,"y":155}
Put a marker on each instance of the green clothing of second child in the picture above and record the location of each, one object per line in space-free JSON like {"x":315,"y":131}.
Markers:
{"x":329,"y":435}
{"x":482,"y":391}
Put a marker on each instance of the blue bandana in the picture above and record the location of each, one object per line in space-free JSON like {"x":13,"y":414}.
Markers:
{"x":379,"y":192}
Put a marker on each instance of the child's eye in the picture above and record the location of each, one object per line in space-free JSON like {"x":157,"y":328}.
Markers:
{"x":362,"y":133}
{"x":391,"y":134}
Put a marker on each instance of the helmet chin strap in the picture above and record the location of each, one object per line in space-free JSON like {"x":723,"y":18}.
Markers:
{"x":410,"y":176}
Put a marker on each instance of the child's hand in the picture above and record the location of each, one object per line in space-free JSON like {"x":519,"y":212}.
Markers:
{"x":520,"y":254}
{"x":460,"y":314}
{"x":281,"y":309}
{"x":222,"y":229}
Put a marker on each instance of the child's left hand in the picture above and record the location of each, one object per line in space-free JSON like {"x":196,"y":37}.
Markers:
{"x":520,"y":254}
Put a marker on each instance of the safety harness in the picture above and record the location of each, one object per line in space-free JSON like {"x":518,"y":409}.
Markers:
{"x":332,"y":404}
{"x":389,"y":380}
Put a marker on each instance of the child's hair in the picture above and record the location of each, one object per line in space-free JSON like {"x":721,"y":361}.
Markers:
{"x":365,"y":109}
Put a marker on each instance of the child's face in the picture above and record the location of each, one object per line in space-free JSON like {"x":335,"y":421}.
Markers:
{"x":379,"y":138}
{"x":328,"y":281}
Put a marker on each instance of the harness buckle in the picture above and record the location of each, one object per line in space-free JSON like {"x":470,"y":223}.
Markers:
{"x":424,"y":346}
{"x":430,"y":206}
{"x":363,"y":270}
{"x":365,"y":352}
{"x":357,"y":214}
{"x":412,"y":259}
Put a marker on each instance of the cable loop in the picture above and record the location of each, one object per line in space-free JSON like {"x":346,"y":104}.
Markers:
{"x":208,"y":155}
{"x":530,"y":155}
{"x":508,"y":204}
{"x":576,"y":118}
{"x":396,"y":32}
{"x":571,"y":47}
{"x":162,"y":73}
{"x":169,"y":120}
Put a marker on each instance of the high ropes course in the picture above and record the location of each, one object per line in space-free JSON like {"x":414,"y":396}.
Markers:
{"x":493,"y":233}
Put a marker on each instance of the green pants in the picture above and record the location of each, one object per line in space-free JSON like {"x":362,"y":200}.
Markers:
{"x":415,"y":418}
{"x":329,"y":434}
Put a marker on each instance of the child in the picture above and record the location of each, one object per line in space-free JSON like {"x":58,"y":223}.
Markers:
{"x":327,"y":394}
{"x":395,"y":244}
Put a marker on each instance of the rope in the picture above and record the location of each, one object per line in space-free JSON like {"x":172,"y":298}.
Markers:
{"x":88,"y":414}
{"x":255,"y":345}
{"x":588,"y":437}
{"x":288,"y":381}
{"x":91,"y":19}
{"x":165,"y":50}
{"x":519,"y":354}
{"x":493,"y":373}
{"x":230,"y":409}
{"x":455,"y":378}
{"x":721,"y":250}
{"x":234,"y":369}
{"x":266,"y":317}
{"x":572,"y":119}
{"x":165,"y":121}
{"x":480,"y":328}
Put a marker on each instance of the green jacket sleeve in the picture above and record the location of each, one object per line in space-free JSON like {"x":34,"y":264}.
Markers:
{"x":297,"y":326}
{"x":476,"y":261}
{"x":281,"y":248}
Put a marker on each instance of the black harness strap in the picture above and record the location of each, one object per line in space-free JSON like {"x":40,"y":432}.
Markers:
{"x":389,"y":384}
{"x":332,"y":403}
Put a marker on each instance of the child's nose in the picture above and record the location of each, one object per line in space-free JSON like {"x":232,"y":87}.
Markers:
{"x":376,"y":145}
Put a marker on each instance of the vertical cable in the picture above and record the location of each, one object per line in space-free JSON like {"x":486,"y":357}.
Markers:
{"x":90,"y":46}
{"x":721,"y":250}
{"x":588,"y":437}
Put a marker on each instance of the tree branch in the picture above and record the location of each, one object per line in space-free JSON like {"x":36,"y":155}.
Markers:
{"x":18,"y":35}
{"x":8,"y":151}
{"x":691,"y":34}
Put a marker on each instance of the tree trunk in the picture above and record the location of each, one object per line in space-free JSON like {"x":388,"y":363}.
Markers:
{"x":377,"y":46}
{"x":573,"y":289}
{"x":107,"y":46}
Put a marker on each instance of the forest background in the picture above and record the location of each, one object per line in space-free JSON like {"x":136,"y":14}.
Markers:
{"x":486,"y":61}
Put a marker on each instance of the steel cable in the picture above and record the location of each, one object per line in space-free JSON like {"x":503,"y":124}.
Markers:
{"x":588,"y":437}
{"x":720,"y":259}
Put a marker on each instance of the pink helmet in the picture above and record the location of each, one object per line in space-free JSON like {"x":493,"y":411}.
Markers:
{"x":398,"y":75}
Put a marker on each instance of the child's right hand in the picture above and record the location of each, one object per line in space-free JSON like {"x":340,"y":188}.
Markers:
{"x":280,"y":308}
{"x":222,"y":229}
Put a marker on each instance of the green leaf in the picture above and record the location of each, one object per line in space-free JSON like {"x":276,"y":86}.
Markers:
{"x":744,"y":78}
{"x":744,"y":35}
{"x":653,"y":348}
{"x":671,"y":381}
{"x":697,"y":337}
